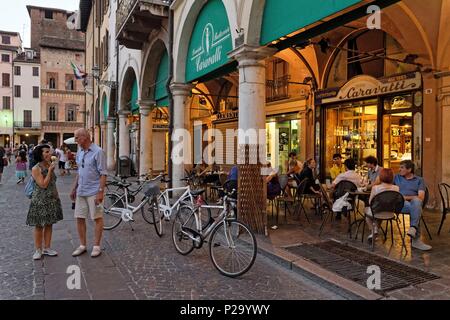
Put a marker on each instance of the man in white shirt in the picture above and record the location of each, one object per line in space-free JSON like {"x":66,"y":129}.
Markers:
{"x":349,"y":175}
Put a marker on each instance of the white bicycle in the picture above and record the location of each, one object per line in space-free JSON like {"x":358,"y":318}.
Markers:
{"x":162,"y":209}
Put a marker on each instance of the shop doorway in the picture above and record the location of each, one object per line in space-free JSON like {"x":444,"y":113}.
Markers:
{"x":397,"y":139}
{"x":134,"y":142}
{"x":283,"y":134}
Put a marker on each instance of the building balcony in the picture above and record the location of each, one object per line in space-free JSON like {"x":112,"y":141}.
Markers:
{"x":135,"y":19}
{"x":26,"y":125}
{"x":277,"y":89}
{"x":56,"y":125}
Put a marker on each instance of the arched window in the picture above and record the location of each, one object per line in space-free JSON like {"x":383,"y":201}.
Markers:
{"x":357,"y":56}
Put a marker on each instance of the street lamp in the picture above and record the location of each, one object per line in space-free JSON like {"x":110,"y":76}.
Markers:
{"x":96,"y":72}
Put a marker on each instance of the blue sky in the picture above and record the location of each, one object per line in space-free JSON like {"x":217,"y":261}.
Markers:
{"x":15,"y":17}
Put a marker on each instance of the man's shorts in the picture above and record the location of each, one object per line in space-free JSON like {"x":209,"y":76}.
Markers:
{"x":85,"y":206}
{"x":61,"y":165}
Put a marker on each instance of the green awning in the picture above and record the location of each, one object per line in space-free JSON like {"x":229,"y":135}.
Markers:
{"x":105,"y":108}
{"x":282,"y":17}
{"x":210,"y":41}
{"x":134,"y":98}
{"x":161,"y":96}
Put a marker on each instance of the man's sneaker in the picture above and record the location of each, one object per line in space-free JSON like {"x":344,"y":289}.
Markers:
{"x":412,"y":232}
{"x":78,"y":251}
{"x":96,"y":251}
{"x":37,"y":255}
{"x":418,"y":244}
{"x":49,"y":252}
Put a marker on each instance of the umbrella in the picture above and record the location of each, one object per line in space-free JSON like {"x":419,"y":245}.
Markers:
{"x":70,"y":141}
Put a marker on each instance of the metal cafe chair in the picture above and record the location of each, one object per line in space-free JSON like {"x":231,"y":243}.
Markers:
{"x":283,"y":197}
{"x":444,"y":191}
{"x":301,"y":195}
{"x":424,"y":203}
{"x":341,"y":189}
{"x":327,"y":208}
{"x":385,"y":206}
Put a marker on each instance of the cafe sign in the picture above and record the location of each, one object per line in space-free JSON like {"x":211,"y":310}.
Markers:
{"x":210,"y":41}
{"x":363,"y":86}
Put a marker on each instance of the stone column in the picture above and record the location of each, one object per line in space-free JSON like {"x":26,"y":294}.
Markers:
{"x":110,"y":145}
{"x":181,"y":153}
{"x":124,"y":133}
{"x":146,"y":139}
{"x":252,"y":121}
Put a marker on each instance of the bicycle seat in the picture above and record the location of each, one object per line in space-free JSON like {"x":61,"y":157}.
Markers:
{"x":124,"y":184}
{"x":195,"y":193}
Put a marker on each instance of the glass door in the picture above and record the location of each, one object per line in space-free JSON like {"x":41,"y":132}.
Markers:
{"x":397,"y":139}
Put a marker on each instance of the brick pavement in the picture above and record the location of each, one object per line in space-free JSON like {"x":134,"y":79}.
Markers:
{"x":134,"y":265}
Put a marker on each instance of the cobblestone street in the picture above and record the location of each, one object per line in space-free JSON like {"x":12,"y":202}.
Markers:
{"x":134,"y":264}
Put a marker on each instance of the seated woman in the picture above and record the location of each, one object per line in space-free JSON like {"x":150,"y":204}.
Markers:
{"x":386,"y":179}
{"x":273,"y":184}
{"x":309,"y":173}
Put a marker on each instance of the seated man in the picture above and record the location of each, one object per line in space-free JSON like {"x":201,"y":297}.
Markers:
{"x":349,"y":174}
{"x":374,"y":168}
{"x":412,"y":188}
{"x":337,"y":167}
{"x":294,"y":166}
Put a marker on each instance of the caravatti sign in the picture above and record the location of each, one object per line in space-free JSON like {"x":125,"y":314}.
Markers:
{"x":361,"y":87}
{"x":211,"y":50}
{"x":210,"y":41}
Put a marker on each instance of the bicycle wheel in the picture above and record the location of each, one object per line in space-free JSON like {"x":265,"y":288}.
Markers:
{"x":232,"y":248}
{"x":182,"y":242}
{"x":112,"y":219}
{"x":158,"y":216}
{"x":147,"y":212}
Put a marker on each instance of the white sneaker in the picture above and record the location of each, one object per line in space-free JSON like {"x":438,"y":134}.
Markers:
{"x":49,"y":252}
{"x":37,"y":255}
{"x":412,"y":232}
{"x":78,"y":251}
{"x":96,"y":251}
{"x":418,"y":244}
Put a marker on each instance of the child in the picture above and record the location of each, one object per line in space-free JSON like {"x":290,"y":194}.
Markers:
{"x":21,"y":167}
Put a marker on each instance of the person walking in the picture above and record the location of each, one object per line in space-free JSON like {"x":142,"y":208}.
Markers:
{"x":21,"y":167}
{"x":2,"y":162}
{"x":88,"y":190}
{"x":45,"y":207}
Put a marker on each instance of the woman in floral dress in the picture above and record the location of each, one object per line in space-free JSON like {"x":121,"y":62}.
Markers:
{"x":45,"y":208}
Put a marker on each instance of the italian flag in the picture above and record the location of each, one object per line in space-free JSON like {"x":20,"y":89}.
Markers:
{"x":77,"y":72}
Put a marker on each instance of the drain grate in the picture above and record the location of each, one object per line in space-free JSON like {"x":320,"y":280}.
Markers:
{"x":351,"y":263}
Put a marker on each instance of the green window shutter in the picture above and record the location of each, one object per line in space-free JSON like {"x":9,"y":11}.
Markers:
{"x":105,"y":108}
{"x":134,"y":98}
{"x":161,"y":95}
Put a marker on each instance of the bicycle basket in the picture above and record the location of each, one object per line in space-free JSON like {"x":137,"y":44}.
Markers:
{"x":151,"y":189}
